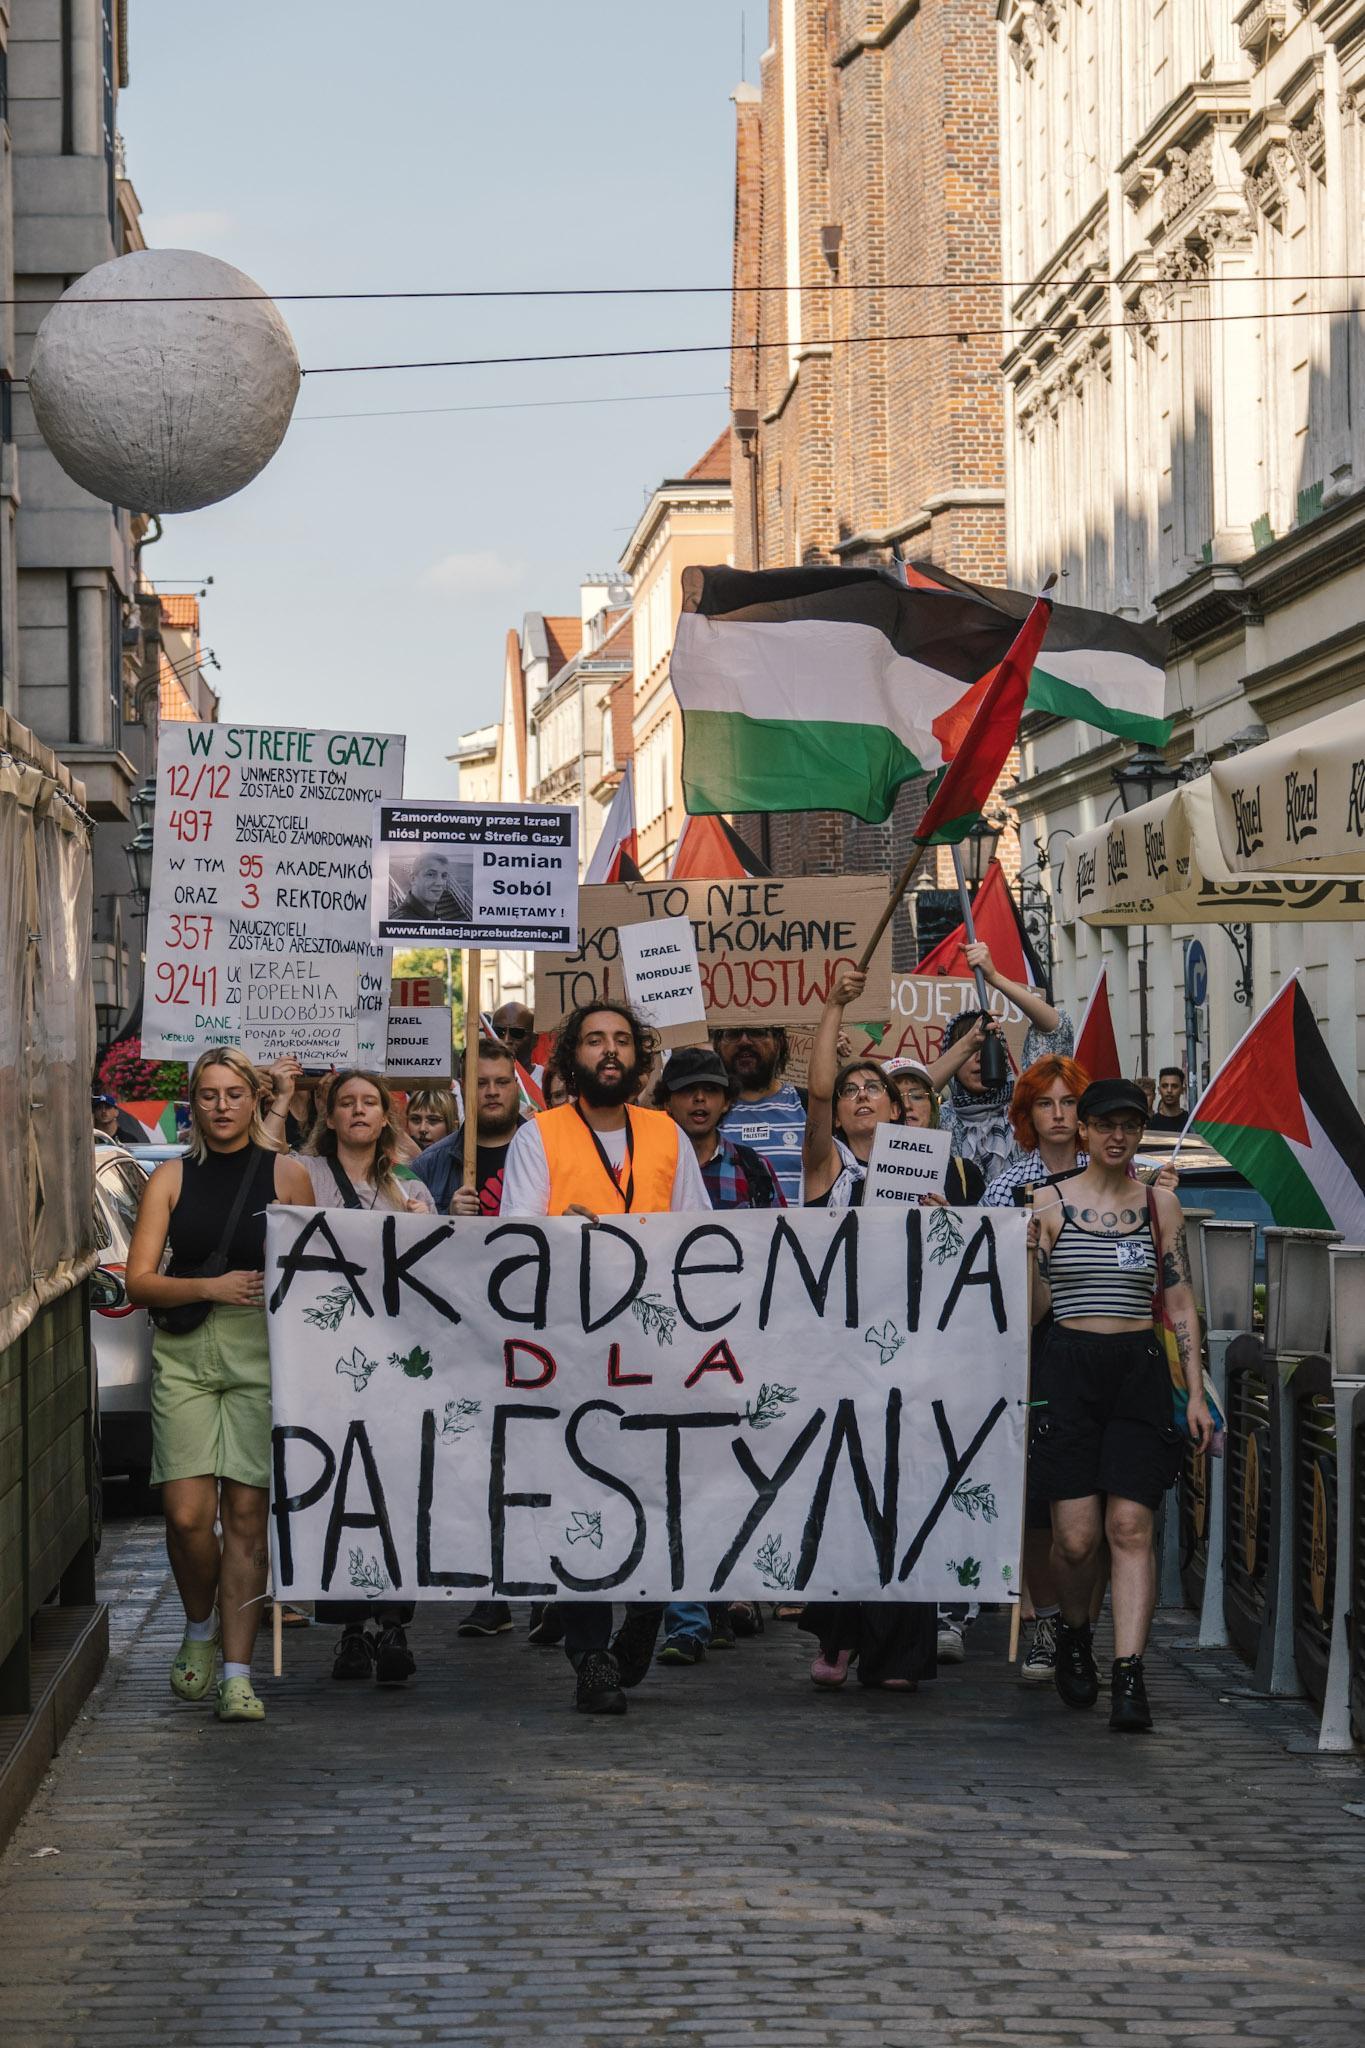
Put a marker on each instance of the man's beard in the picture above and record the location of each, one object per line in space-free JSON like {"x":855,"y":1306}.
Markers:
{"x":501,"y":1126}
{"x":600,"y":1094}
{"x":758,"y":1069}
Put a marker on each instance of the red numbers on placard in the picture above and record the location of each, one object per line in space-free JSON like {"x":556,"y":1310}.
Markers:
{"x":205,"y":781}
{"x":190,"y":825}
{"x":188,"y":932}
{"x":177,"y":981}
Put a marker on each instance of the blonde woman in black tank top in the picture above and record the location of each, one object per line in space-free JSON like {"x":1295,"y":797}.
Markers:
{"x":1105,"y":1446}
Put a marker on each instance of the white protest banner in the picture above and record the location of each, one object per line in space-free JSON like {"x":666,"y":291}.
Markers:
{"x":420,"y":1046}
{"x":475,"y":875}
{"x":261,"y":847}
{"x":662,"y":1407}
{"x":906,"y":1162}
{"x":659,"y":962}
{"x":299,"y":1004}
{"x":768,"y":947}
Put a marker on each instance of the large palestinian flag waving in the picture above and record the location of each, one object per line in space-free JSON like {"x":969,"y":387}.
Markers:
{"x":826,"y":689}
{"x":1278,"y":1110}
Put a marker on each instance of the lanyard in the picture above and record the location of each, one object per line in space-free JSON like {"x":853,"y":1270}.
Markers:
{"x":607,"y":1167}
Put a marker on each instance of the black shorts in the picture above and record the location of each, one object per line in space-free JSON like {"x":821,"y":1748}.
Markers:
{"x":1108,"y":1420}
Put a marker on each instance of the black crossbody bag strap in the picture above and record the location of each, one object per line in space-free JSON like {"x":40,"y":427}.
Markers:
{"x":628,"y":1192}
{"x":345,"y":1186}
{"x":217,"y":1262}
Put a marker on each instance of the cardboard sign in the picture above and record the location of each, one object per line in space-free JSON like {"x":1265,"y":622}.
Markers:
{"x":302,"y":1004}
{"x":767,"y":948}
{"x":922,"y":1008}
{"x":906,"y":1162}
{"x":417,"y":991}
{"x":420,"y":1052}
{"x":663,"y":981}
{"x":261,"y":849}
{"x":472,"y":875}
{"x":691,"y":1407}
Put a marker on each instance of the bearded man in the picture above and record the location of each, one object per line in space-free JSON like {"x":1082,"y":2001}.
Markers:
{"x":598,"y":1155}
{"x":767,"y":1113}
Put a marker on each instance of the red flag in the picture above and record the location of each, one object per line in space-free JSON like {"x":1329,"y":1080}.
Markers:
{"x":1097,"y":1052}
{"x":616,"y":856}
{"x":710,"y":850}
{"x":983,"y":749}
{"x":997,"y":926}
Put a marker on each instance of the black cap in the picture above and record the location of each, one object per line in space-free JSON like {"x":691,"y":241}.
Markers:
{"x":695,"y":1066}
{"x":1102,"y":1098}
{"x":98,"y":1101}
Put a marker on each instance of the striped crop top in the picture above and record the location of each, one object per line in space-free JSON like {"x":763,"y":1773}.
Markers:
{"x":1102,"y":1276}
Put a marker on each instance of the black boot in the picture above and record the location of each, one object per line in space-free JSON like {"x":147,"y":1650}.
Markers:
{"x":1129,"y":1713}
{"x":599,"y":1685}
{"x":394,"y":1662}
{"x":354,"y":1654}
{"x":1078,"y":1681}
{"x":633,"y":1644}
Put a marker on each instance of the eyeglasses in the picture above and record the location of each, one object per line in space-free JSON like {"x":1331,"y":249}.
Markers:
{"x":1125,"y":1126}
{"x":915,"y":1095}
{"x":733,"y":1037}
{"x":853,"y":1091}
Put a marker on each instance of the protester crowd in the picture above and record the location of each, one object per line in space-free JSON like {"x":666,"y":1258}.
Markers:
{"x":726,"y":1128}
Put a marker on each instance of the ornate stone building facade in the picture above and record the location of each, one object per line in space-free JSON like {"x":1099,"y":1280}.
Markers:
{"x":1183,"y":206}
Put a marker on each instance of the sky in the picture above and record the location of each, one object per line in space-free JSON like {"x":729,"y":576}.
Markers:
{"x":369,"y":575}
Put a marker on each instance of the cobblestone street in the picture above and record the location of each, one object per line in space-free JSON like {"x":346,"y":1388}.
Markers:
{"x":741,"y":1860}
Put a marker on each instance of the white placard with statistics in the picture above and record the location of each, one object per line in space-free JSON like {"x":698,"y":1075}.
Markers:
{"x":261,"y":850}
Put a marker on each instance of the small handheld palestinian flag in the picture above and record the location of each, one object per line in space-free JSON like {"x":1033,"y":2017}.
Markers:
{"x":1278,"y":1110}
{"x":1097,"y":1052}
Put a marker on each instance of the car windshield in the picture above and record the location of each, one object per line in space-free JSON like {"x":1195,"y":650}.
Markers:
{"x":121,"y":1184}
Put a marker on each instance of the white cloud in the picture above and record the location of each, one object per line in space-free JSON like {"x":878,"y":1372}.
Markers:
{"x":478,"y":570}
{"x":187,"y":230}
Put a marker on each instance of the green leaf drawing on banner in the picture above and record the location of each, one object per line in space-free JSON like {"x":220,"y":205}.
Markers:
{"x":459,"y":1417}
{"x":945,"y":1237}
{"x":1007,"y":1573}
{"x":968,"y":1572}
{"x":585,"y":1526}
{"x":976,"y":1500}
{"x":774,"y":1567}
{"x":654,"y":1317}
{"x":357,"y":1368}
{"x":888,"y":1340}
{"x":330,"y":1310}
{"x":367,"y":1574}
{"x":768,"y":1403}
{"x":415,"y":1363}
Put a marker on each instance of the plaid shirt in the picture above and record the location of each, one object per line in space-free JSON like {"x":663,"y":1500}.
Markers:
{"x":1026,"y":1172}
{"x":728,"y":1184}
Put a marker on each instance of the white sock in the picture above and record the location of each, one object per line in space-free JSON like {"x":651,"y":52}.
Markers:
{"x":1046,"y":1613}
{"x":235,"y":1671}
{"x":201,"y":1631}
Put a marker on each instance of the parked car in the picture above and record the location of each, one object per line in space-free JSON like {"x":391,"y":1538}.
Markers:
{"x":122,"y":1334}
{"x":1207,"y":1181}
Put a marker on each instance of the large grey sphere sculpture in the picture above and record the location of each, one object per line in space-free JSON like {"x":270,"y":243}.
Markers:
{"x":163,"y":407}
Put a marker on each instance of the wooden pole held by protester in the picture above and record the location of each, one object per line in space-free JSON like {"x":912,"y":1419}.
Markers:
{"x":473,"y":974}
{"x":901,"y":884}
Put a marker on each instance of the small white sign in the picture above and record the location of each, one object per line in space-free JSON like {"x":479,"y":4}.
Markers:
{"x":419,"y":1047}
{"x":663,"y":980}
{"x":300,"y":1003}
{"x":906,"y":1162}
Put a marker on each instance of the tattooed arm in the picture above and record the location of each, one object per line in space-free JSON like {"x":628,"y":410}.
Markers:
{"x":1044,"y":1223}
{"x":1182,"y":1314}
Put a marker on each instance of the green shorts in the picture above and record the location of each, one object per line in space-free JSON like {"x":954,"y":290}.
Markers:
{"x":211,"y":1400}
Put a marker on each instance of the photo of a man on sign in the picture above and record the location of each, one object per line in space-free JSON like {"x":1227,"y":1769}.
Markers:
{"x":433,"y":885}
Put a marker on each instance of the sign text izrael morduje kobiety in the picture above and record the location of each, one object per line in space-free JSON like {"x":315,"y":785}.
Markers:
{"x":658,"y":1407}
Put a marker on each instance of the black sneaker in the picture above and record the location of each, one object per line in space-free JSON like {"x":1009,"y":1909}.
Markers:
{"x":394,"y":1662}
{"x":1077,"y":1680}
{"x":355,"y":1655}
{"x":598,"y":1690}
{"x":722,"y":1630}
{"x":682,"y":1650}
{"x":487,"y":1618}
{"x":547,"y":1625}
{"x":633,"y":1644}
{"x":1129,"y":1713}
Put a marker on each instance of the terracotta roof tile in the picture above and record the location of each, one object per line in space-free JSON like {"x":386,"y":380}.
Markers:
{"x":180,"y":609}
{"x":173,"y":702}
{"x":619,"y":644}
{"x":565,"y":636}
{"x":714,"y":466}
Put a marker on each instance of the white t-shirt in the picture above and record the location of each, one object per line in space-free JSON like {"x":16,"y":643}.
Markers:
{"x":526,"y":1177}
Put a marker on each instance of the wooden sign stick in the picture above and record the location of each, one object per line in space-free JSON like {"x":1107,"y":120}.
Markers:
{"x":473,"y":972}
{"x":898,"y":889}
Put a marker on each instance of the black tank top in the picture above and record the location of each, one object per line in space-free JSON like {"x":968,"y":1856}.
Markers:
{"x":208,"y":1188}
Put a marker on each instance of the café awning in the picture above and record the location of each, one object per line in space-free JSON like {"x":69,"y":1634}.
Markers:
{"x":1297,"y":804}
{"x":1164,"y":864}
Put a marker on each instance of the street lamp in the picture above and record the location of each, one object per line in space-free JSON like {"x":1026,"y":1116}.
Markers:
{"x":1298,"y":1291}
{"x":979,"y":849}
{"x":138,"y":851}
{"x":1141,"y":778}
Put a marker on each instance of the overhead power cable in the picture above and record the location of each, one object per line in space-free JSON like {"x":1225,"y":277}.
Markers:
{"x":403,"y":412}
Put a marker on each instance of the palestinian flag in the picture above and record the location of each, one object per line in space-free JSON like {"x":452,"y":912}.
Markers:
{"x":1278,"y":1110}
{"x":1109,"y":672}
{"x":157,"y":1120}
{"x":826,"y":689}
{"x":961,"y":792}
{"x":999,"y":926}
{"x":1097,"y":1052}
{"x":710,"y":850}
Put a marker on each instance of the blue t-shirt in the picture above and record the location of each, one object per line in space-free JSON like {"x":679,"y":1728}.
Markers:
{"x":775,"y":1127}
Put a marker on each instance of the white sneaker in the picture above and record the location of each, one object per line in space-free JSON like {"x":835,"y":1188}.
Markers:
{"x":951,"y":1647}
{"x":1040,"y":1665}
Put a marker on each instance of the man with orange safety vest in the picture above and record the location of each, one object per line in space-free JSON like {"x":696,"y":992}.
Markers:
{"x":599,"y":1155}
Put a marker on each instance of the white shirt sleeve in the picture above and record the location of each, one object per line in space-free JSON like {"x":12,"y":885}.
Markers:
{"x":689,"y":1189}
{"x":526,"y":1175}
